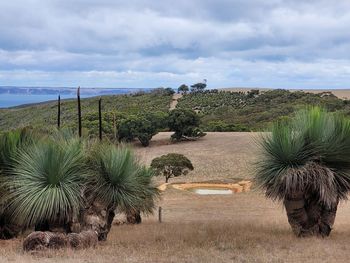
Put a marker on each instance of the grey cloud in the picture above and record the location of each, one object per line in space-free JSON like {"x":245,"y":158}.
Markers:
{"x":174,"y":39}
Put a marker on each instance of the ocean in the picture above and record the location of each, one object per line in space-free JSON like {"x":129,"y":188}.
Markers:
{"x":16,"y":96}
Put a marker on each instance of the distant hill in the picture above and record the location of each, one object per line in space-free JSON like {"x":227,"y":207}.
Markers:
{"x":63,"y":90}
{"x":219,"y":110}
{"x":340,"y":93}
{"x":45,"y":114}
{"x":255,"y":109}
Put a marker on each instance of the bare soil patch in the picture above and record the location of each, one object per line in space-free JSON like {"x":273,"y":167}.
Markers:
{"x":174,"y":101}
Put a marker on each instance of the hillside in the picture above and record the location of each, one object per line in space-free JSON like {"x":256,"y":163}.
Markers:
{"x":254,"y":110}
{"x":340,"y":93}
{"x":45,"y":114}
{"x":219,"y":110}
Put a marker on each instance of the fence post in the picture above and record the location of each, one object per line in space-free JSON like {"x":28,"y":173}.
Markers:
{"x":59,"y":112}
{"x":79,"y":112}
{"x":160,"y":214}
{"x":100,"y":118}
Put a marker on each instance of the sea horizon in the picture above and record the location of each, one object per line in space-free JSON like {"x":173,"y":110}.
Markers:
{"x":13,"y":96}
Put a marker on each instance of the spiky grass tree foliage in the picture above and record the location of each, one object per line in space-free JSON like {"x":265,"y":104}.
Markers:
{"x":306,"y":164}
{"x":46,"y":182}
{"x":147,"y":205}
{"x":10,"y":142}
{"x":119,"y":182}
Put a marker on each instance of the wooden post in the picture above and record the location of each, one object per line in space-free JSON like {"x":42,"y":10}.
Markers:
{"x":100,"y":117}
{"x":160,"y":214}
{"x":59,"y":112}
{"x":114,"y":126}
{"x":79,"y":112}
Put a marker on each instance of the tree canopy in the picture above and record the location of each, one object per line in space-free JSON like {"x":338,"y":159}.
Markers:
{"x":185,"y":124}
{"x":198,"y":87}
{"x":171,"y":165}
{"x":183,"y":89}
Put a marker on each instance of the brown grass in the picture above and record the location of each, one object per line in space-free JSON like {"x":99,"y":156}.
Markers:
{"x":217,"y":156}
{"x":243,"y":227}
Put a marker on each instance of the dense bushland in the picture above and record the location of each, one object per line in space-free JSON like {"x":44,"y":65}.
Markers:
{"x":238,"y":111}
{"x":217,"y":111}
{"x":45,"y":114}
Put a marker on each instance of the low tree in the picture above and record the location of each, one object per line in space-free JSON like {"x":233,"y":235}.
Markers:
{"x":163,"y":91}
{"x":136,"y":127}
{"x":183,"y":89}
{"x":158,"y":119}
{"x":185,"y":124}
{"x":171,"y":165}
{"x":198,"y":87}
{"x":306,"y":164}
{"x":253,"y":93}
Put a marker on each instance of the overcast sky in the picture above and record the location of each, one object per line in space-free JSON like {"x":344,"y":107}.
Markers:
{"x":145,"y":44}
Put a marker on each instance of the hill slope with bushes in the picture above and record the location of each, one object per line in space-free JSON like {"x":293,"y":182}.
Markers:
{"x":218,"y":110}
{"x":45,"y":114}
{"x":238,"y":111}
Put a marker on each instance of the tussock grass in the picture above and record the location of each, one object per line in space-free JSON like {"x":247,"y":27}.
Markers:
{"x":241,"y":228}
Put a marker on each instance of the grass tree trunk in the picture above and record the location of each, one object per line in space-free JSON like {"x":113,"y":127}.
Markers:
{"x":56,"y":240}
{"x":91,"y":226}
{"x":133,"y":217}
{"x":8,"y":230}
{"x":99,"y":218}
{"x":307,"y":216}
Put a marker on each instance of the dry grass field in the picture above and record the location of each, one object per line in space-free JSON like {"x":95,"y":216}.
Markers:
{"x":243,"y":227}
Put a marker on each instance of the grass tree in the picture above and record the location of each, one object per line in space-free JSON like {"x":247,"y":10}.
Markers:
{"x":119,"y":183}
{"x":45,"y":183}
{"x":62,"y":183}
{"x":133,"y":211}
{"x":306,"y":164}
{"x":10,"y":143}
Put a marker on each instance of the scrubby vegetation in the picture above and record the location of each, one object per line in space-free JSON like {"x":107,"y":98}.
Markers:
{"x":253,"y":111}
{"x":141,"y":126}
{"x":306,"y":164}
{"x":45,"y":114}
{"x":216,"y":111}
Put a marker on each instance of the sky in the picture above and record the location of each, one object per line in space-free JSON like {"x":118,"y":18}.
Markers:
{"x":146,"y":44}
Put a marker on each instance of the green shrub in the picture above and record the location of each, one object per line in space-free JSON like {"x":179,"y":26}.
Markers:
{"x":185,"y":124}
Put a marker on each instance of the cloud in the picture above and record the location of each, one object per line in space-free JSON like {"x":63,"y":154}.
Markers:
{"x":152,"y":43}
